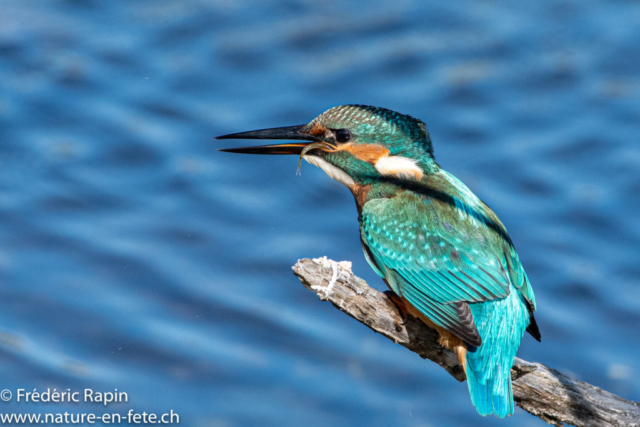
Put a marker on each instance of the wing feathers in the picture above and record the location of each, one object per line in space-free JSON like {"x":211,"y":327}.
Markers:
{"x":456,"y":318}
{"x":434,"y":267}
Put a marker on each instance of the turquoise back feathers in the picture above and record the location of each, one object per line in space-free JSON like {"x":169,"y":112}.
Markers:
{"x":459,"y":269}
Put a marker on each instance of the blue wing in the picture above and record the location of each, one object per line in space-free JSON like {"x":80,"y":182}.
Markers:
{"x":437,"y":258}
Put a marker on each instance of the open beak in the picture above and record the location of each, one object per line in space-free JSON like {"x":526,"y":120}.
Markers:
{"x":297,"y":133}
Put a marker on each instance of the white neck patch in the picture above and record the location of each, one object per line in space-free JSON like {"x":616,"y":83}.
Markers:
{"x":400,"y":167}
{"x":333,"y":172}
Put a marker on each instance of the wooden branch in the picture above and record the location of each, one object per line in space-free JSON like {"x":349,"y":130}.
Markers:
{"x":539,"y":390}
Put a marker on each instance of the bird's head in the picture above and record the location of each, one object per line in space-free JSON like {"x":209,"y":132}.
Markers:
{"x":354,"y":144}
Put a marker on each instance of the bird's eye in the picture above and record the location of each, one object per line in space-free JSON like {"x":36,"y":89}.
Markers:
{"x":343,"y":135}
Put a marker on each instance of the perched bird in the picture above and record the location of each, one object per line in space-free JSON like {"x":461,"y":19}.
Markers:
{"x":442,"y":251}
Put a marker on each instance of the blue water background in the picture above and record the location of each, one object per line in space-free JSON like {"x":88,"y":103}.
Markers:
{"x":135,"y":256}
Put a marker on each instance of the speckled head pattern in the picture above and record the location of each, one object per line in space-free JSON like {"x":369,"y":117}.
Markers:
{"x":400,"y":133}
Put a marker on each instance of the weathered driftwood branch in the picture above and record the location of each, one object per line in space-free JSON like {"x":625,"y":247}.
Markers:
{"x":541,"y":391}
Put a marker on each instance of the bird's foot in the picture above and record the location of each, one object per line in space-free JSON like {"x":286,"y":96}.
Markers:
{"x":399,"y":303}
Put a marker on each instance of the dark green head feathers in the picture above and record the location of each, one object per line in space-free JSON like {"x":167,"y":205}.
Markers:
{"x":370,"y":143}
{"x":397,"y":132}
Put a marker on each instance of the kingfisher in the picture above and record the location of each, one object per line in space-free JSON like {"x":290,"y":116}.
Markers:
{"x":444,"y":254}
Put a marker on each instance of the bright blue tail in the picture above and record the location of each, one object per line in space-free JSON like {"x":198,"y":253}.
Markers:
{"x":501,"y":324}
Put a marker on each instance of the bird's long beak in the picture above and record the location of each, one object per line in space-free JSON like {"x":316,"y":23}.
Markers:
{"x":298,"y":133}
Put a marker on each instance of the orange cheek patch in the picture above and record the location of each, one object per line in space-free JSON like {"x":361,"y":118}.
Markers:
{"x":317,"y":129}
{"x":369,"y":153}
